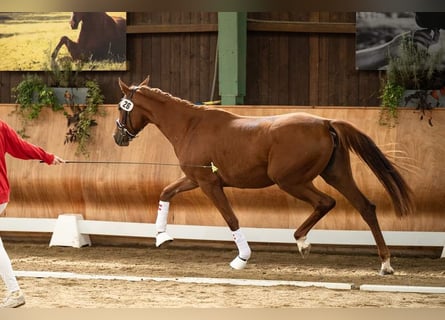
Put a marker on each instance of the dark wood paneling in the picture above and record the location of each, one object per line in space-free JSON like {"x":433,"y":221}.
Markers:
{"x":293,"y":58}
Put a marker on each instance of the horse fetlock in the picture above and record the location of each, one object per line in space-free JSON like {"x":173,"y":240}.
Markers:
{"x":304,"y":247}
{"x":386,"y":268}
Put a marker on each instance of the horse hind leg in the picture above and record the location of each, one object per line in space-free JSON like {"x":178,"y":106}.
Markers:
{"x":321,"y":203}
{"x":339,"y":175}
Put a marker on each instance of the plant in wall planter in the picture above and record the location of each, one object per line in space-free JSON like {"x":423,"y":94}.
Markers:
{"x":65,"y":81}
{"x":415,"y":78}
{"x":81,"y":119}
{"x":32,"y":94}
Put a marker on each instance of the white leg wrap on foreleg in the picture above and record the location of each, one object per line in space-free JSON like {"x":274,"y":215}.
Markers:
{"x":243,"y":248}
{"x":161,"y":223}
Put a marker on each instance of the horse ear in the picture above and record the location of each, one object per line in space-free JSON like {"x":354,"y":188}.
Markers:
{"x":145,"y":82}
{"x":123,"y":86}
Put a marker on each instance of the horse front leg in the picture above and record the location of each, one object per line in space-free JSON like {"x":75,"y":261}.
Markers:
{"x":180,"y":185}
{"x":72,"y":47}
{"x":216,"y":194}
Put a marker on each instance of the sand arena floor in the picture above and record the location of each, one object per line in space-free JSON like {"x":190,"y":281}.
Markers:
{"x":200,"y":260}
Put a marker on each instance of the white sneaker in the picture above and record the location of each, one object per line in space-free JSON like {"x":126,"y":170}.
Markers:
{"x":13,"y":300}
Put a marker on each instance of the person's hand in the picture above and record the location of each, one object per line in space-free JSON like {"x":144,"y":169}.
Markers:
{"x":424,"y":38}
{"x":58,"y":160}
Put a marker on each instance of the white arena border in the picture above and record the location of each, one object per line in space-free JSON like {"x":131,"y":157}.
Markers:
{"x":399,"y":288}
{"x":217,"y":233}
{"x":236,"y":282}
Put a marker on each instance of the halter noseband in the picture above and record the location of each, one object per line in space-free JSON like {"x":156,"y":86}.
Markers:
{"x":126,"y":105}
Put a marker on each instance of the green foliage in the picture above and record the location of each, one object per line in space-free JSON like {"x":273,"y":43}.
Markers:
{"x":391,"y":96}
{"x":64,"y":72}
{"x":31,"y":96}
{"x":82,"y":119}
{"x":414,"y":67}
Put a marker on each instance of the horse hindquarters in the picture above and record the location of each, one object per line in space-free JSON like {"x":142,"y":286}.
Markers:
{"x":339,"y":175}
{"x":362,"y":145}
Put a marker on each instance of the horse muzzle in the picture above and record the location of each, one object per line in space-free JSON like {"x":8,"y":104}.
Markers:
{"x":121,"y":138}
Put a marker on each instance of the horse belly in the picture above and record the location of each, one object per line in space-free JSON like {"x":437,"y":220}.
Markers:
{"x":245,"y":176}
{"x":251,"y":179}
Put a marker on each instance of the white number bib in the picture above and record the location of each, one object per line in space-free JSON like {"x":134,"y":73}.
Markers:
{"x":126,"y":105}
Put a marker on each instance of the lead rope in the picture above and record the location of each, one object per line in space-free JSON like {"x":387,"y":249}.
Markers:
{"x":211,"y":166}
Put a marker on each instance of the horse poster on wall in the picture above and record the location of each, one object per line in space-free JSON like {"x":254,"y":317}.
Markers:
{"x":33,"y":41}
{"x":379,"y":35}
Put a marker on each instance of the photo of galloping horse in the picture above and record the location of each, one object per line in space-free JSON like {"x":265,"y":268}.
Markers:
{"x":101,"y":37}
{"x":217,"y":149}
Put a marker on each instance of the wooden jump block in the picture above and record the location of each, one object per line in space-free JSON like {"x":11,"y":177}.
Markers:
{"x":66,"y":232}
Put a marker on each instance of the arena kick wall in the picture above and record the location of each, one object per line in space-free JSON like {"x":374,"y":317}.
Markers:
{"x":129,"y":192}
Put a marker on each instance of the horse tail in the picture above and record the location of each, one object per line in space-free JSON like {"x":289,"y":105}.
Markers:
{"x":353,"y":139}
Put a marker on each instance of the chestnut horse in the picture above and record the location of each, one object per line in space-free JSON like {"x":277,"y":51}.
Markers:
{"x":218,"y":149}
{"x":101,"y":37}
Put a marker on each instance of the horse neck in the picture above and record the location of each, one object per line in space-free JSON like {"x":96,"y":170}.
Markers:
{"x":174,"y":118}
{"x":99,"y":20}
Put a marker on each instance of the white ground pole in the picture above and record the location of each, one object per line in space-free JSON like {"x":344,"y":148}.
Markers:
{"x":196,"y":280}
{"x":84,"y":228}
{"x":236,"y":282}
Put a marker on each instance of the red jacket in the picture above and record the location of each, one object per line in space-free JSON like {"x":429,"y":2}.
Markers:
{"x":11,"y":143}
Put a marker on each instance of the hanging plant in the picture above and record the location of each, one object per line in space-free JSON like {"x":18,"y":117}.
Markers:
{"x":82,"y":118}
{"x":391,"y":96}
{"x":31,"y":96}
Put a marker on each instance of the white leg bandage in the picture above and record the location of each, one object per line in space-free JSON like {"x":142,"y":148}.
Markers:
{"x":161,"y":220}
{"x":241,"y":243}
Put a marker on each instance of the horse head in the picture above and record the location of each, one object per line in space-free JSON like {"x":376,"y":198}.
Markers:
{"x":76,"y":17}
{"x":131,"y":118}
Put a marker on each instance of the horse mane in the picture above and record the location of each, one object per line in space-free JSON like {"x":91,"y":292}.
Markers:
{"x":162,"y":96}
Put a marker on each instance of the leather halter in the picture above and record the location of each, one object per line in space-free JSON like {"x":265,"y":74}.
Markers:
{"x":123,"y":130}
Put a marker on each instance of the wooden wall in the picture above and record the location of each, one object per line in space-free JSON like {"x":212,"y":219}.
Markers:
{"x":130,"y":192}
{"x":294,"y":58}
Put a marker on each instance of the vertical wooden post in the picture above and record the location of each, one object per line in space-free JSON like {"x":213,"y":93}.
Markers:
{"x":232,"y":36}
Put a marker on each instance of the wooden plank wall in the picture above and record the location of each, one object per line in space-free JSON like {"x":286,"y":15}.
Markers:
{"x":131,"y":192}
{"x":294,"y":58}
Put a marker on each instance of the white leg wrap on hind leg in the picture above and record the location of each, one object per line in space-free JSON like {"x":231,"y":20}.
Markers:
{"x":303,"y":245}
{"x":161,"y":224}
{"x":243,"y":248}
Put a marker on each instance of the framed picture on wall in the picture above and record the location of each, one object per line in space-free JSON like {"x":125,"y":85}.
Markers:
{"x":33,"y":41}
{"x":379,"y":35}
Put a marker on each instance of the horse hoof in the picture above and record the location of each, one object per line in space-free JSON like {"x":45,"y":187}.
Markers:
{"x":304,"y":251}
{"x":238,"y":263}
{"x":303,"y":247}
{"x":386,"y":272}
{"x":386,"y":269}
{"x":162,"y":238}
